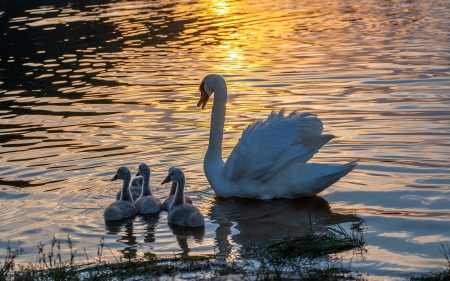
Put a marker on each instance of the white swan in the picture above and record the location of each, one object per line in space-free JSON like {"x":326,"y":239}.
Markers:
{"x":169,"y":199}
{"x":269,"y":160}
{"x":135,"y":188}
{"x":147,"y":203}
{"x":124,"y":207}
{"x":181,"y":213}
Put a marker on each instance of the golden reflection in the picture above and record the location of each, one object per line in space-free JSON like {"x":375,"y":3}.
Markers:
{"x":386,"y":258}
{"x":220,"y":7}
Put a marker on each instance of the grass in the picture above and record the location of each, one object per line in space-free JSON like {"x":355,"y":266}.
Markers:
{"x":311,"y":256}
{"x":444,"y":274}
{"x":303,"y":257}
{"x":306,"y":257}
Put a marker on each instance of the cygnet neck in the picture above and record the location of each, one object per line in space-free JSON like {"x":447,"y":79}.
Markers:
{"x":146,"y":191}
{"x":179,"y":194}
{"x":173,"y":188}
{"x":126,"y":193}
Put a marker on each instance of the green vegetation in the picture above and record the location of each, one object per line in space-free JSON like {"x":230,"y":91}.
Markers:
{"x":303,"y":257}
{"x":444,"y":275}
{"x":312,"y":256}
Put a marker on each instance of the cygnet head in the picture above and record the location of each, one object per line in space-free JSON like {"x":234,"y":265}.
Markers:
{"x":209,"y":83}
{"x":144,"y":170}
{"x":122,"y":172}
{"x":175,"y":174}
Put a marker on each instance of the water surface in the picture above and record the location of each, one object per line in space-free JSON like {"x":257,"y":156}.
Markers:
{"x":88,"y":86}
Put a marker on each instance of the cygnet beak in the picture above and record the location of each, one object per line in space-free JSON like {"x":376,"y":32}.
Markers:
{"x":114,"y":178}
{"x":138,"y":174}
{"x":204,"y":97}
{"x":166,"y":180}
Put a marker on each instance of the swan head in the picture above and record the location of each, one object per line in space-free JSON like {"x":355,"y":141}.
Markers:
{"x":144,"y":170}
{"x":174,"y":174}
{"x":207,"y":87}
{"x":121,"y":173}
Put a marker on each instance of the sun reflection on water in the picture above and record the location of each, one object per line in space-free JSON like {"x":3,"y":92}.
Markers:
{"x":221,"y":7}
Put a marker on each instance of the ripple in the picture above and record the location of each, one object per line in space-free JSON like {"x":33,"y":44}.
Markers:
{"x":88,"y":88}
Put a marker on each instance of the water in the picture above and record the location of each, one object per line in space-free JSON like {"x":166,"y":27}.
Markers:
{"x":88,"y":86}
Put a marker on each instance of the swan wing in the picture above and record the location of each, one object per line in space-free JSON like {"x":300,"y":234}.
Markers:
{"x":268,"y":146}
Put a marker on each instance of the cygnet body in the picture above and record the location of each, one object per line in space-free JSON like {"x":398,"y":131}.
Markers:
{"x":124,"y":207}
{"x":147,"y":203}
{"x":181,"y":213}
{"x":169,"y":199}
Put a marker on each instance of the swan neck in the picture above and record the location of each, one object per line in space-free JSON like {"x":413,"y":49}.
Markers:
{"x":214,"y":152}
{"x":126,"y":192}
{"x":173,"y":188}
{"x":146,"y":185}
{"x":179,"y":194}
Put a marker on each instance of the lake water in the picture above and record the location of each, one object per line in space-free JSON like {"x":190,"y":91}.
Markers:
{"x":89,"y":86}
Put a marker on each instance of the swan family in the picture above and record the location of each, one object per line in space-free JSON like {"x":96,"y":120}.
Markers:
{"x":269,"y":161}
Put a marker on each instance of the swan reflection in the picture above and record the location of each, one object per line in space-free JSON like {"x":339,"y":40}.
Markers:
{"x":250,"y":222}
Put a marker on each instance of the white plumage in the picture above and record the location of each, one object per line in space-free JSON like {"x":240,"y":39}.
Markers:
{"x":269,"y":160}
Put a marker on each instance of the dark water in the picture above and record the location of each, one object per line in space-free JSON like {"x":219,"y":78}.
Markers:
{"x":88,"y":86}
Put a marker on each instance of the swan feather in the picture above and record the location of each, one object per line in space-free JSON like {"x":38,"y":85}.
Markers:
{"x":283,"y":139}
{"x":271,"y":158}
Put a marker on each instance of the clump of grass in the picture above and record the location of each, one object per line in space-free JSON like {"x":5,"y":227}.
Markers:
{"x":306,"y":257}
{"x":443,"y":275}
{"x":8,"y":265}
{"x":299,"y":258}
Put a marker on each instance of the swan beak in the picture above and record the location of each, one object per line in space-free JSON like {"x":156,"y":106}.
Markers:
{"x":138,"y":174}
{"x":115,"y":177}
{"x":166,"y":180}
{"x":204,"y":97}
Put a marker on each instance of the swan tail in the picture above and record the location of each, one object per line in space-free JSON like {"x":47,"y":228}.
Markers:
{"x":330,"y":179}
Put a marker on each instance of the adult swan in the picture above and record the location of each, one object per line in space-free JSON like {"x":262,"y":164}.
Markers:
{"x":269,"y":160}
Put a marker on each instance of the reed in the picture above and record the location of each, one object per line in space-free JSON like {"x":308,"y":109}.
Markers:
{"x":444,"y":274}
{"x":310,"y":256}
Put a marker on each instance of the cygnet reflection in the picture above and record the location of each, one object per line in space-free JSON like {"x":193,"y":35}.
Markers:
{"x":126,"y":229}
{"x":151,"y":221}
{"x":183,"y":233}
{"x":249,"y":222}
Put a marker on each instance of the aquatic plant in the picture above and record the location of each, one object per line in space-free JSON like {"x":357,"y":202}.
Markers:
{"x":306,"y":257}
{"x":50,"y":264}
{"x":442,"y":275}
{"x":311,"y":256}
{"x":8,"y":264}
